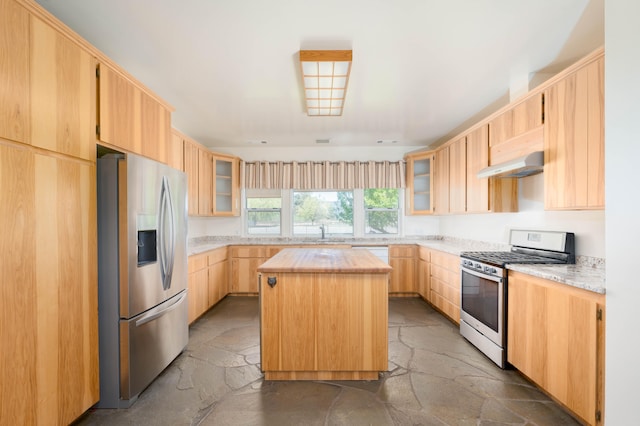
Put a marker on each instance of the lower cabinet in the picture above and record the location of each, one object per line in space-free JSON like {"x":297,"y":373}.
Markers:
{"x":244,"y":268}
{"x":424,"y":272}
{"x":208,"y":281}
{"x":445,"y":284}
{"x":556,"y":338}
{"x":49,"y":289}
{"x":402,"y":258}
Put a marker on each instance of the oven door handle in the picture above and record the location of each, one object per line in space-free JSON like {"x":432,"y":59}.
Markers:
{"x":482,"y":275}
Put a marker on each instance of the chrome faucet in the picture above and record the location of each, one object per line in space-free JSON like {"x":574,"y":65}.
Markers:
{"x":322,"y":229}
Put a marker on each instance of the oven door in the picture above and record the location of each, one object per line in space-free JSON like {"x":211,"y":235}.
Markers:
{"x":482,"y":304}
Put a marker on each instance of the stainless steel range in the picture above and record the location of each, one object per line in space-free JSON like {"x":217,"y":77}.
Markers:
{"x":483,"y":310}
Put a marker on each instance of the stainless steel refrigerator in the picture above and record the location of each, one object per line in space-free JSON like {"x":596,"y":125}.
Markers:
{"x":142,"y":273}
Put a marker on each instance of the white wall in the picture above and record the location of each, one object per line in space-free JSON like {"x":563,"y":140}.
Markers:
{"x":622,"y":151}
{"x":494,"y":227}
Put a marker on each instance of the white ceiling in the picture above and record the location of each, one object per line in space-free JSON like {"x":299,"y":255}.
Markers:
{"x":421,"y":68}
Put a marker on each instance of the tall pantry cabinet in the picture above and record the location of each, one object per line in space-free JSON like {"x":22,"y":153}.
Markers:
{"x":48,"y":249}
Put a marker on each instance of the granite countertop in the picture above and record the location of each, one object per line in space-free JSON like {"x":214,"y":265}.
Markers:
{"x":588,"y":273}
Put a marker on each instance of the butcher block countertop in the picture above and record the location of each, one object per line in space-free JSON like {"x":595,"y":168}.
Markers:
{"x":314,"y":260}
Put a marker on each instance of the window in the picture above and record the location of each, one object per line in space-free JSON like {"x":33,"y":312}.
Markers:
{"x":264,"y":215}
{"x":381,"y":211}
{"x":331,"y":210}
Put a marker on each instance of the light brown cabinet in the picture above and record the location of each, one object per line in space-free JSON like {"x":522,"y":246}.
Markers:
{"x":458,"y":176}
{"x":207,"y":282}
{"x":419,"y":193}
{"x":205,"y":183}
{"x":556,"y":338}
{"x":197,"y":285}
{"x":129,"y":118}
{"x":403,"y":278}
{"x":49,"y":291}
{"x":175,"y":150}
{"x":15,"y":117}
{"x":218,"y":286}
{"x":244,"y":267}
{"x":226,"y":186}
{"x":190,"y":156}
{"x":441,"y":181}
{"x":63,"y":93}
{"x":445,"y":284}
{"x":574,"y":140}
{"x":523,"y":117}
{"x":424,"y":273}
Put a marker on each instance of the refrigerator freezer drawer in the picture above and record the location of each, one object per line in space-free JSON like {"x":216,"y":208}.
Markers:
{"x":149,"y":342}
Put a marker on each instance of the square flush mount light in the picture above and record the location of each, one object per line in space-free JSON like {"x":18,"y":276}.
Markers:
{"x":325,"y":74}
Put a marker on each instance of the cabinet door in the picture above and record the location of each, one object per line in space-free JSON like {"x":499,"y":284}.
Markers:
{"x":441,"y":183}
{"x":155,"y":127}
{"x":119,"y":111}
{"x":218,"y":282}
{"x":288,"y":302}
{"x":245,"y":274}
{"x":477,"y":159}
{"x":420,"y":184}
{"x":424,"y":279}
{"x":553,"y":338}
{"x":191,"y":155}
{"x":574,"y":141}
{"x":458,"y":176}
{"x":14,"y":72}
{"x":205,"y":183}
{"x":198,"y":285}
{"x":403,"y":275}
{"x":48,"y":299}
{"x":175,"y":151}
{"x":63,"y":94}
{"x":226,"y":186}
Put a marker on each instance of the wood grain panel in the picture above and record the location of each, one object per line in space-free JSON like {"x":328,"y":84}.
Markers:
{"x":175,"y":150}
{"x":198,"y":287}
{"x":554,"y":339}
{"x":574,"y":140}
{"x":403,"y":276}
{"x":501,"y":128}
{"x":518,"y":146}
{"x":248,"y":251}
{"x":244,"y":274}
{"x":402,"y":250}
{"x":205,"y":183}
{"x":458,"y":176}
{"x":120,"y":111}
{"x":298,"y":332}
{"x":191,"y":154}
{"x":444,"y":284}
{"x":595,"y":122}
{"x":441,"y":181}
{"x":324,"y":260}
{"x":155,"y":128}
{"x":18,"y":292}
{"x":527,"y":115}
{"x":63,"y":94}
{"x":270,"y":324}
{"x":15,"y":118}
{"x":218,"y":282}
{"x":477,"y":194}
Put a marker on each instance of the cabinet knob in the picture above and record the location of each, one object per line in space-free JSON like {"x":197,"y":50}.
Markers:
{"x":272,"y":281}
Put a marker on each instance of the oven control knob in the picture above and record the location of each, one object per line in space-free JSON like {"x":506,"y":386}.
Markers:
{"x":478,"y":266}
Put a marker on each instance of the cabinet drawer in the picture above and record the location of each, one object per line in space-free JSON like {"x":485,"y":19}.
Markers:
{"x":248,"y":251}
{"x":197,"y":262}
{"x":445,"y":260}
{"x":402,"y":251}
{"x":217,"y":255}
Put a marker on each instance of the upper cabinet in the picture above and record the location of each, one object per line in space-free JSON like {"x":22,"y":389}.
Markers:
{"x":420,"y":183}
{"x":131,"y":119}
{"x":226,"y":185}
{"x":574,"y":140}
{"x":213,"y":180}
{"x":441,"y":181}
{"x":14,"y":72}
{"x":63,"y":92}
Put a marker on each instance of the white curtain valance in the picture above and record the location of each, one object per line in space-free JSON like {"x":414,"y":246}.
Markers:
{"x":323,"y":175}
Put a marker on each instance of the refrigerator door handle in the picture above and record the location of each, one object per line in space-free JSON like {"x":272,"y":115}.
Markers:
{"x":150,"y":317}
{"x":167,"y":242}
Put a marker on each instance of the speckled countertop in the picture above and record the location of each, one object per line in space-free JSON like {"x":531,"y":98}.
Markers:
{"x":588,"y":273}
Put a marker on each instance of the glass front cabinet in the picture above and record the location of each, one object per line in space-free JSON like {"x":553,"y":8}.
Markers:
{"x":419,"y":193}
{"x":226,"y":186}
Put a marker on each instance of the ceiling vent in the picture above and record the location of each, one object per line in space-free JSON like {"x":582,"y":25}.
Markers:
{"x":325,"y":141}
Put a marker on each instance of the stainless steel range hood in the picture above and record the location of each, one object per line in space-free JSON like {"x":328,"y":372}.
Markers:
{"x":527,"y":165}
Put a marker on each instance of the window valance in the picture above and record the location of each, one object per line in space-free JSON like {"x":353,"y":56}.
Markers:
{"x":323,"y":175}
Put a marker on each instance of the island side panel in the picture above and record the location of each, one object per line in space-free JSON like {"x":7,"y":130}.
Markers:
{"x":352,"y":322}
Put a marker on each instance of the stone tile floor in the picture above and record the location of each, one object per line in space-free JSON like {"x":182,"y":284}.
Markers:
{"x":435,"y":377}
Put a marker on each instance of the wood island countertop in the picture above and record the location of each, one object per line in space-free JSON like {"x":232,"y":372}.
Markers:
{"x":314,"y":260}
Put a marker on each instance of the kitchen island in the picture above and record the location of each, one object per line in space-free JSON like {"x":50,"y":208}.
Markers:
{"x":323,"y":315}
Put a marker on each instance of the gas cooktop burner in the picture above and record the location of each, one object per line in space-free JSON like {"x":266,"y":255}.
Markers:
{"x":501,"y":258}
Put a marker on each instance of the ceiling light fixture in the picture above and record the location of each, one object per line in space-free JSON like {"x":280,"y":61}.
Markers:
{"x":325,"y":74}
